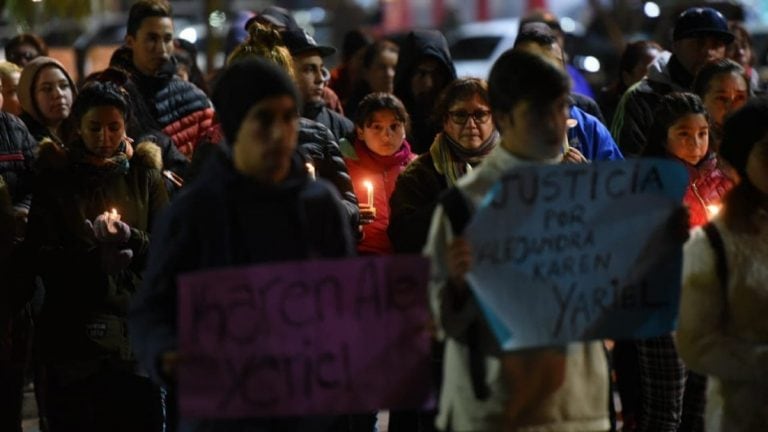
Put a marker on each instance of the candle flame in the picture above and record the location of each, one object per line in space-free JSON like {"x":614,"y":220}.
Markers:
{"x":114,"y":212}
{"x":713,"y":209}
{"x":368,"y":185}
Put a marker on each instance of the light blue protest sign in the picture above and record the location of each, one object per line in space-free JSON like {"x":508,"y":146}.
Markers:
{"x":577,"y":252}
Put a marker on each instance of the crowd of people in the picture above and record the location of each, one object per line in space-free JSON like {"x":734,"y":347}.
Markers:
{"x":113,"y":187}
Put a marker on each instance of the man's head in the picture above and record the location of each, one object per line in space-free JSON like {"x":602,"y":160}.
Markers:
{"x":428,"y":79}
{"x":529,"y":101}
{"x":537,"y":38}
{"x":308,"y":63}
{"x":700,"y":35}
{"x":257,"y":103}
{"x":150,"y":35}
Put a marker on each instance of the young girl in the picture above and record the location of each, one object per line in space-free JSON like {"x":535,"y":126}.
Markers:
{"x":723,"y":87}
{"x":376,"y":158}
{"x":672,"y":397}
{"x":681,"y":131}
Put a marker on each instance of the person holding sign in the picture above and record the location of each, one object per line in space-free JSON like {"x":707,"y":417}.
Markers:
{"x":723,"y":330}
{"x":561,"y":388}
{"x":87,"y":240}
{"x":468,"y":136}
{"x":256,"y":204}
{"x":375,"y":160}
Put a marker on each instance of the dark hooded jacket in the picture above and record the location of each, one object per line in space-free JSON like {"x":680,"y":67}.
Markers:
{"x":82,"y":324}
{"x":418,"y":45}
{"x":296,"y":219}
{"x":182,"y":110}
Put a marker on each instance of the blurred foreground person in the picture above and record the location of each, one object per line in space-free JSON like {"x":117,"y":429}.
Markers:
{"x":723,"y":330}
{"x":267,"y":209}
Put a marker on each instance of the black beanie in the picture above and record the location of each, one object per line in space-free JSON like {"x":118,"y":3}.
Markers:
{"x":244,"y":84}
{"x":742,"y":130}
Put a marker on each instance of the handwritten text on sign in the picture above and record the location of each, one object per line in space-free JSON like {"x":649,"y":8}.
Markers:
{"x":313,"y":337}
{"x":578,"y":252}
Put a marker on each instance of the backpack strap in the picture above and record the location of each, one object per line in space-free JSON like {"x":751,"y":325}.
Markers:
{"x":721,"y":264}
{"x":459,"y":213}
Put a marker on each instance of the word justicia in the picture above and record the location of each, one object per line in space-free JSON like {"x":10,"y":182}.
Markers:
{"x":577,"y":183}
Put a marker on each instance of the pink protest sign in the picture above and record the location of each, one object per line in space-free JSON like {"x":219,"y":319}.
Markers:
{"x":300,"y":338}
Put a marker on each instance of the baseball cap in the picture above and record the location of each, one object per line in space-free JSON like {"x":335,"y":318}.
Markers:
{"x":275,"y":15}
{"x":701,"y":21}
{"x":298,"y":41}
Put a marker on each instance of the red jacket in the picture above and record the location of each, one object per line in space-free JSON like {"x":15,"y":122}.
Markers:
{"x":381,"y":171}
{"x":707,"y":185}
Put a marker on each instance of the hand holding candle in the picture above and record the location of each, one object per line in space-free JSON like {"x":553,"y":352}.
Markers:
{"x":109,"y":228}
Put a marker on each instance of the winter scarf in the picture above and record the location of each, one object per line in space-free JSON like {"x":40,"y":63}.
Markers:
{"x":453,"y":161}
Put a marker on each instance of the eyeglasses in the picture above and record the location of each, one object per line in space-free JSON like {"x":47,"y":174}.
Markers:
{"x":19,"y":55}
{"x":461,"y":117}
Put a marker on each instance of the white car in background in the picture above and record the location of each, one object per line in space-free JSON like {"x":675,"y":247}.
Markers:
{"x":475,"y":46}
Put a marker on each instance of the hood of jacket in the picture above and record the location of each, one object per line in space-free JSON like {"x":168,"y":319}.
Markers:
{"x":418,"y":45}
{"x":27,"y":81}
{"x":52,"y":157}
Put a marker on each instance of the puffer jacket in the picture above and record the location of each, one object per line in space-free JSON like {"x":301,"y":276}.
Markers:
{"x":82,"y":327}
{"x":317,"y":143}
{"x":706,"y":187}
{"x":182,"y":110}
{"x":17,"y":147}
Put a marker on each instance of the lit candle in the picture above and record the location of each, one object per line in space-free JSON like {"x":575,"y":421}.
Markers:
{"x":369,"y":186}
{"x":311,"y":171}
{"x":112,"y":217}
{"x":713,"y":210}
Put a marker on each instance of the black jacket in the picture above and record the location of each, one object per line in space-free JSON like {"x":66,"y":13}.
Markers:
{"x":418,"y":45}
{"x":340,"y":126}
{"x":411,"y":205}
{"x":62,"y":251}
{"x":318,"y":145}
{"x":251,"y":223}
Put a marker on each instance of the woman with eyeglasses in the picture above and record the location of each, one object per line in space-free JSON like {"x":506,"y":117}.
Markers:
{"x":375,"y":160}
{"x":468,"y":136}
{"x":24,"y":48}
{"x":46,"y":92}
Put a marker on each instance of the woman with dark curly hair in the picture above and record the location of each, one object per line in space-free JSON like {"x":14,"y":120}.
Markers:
{"x":88,"y":238}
